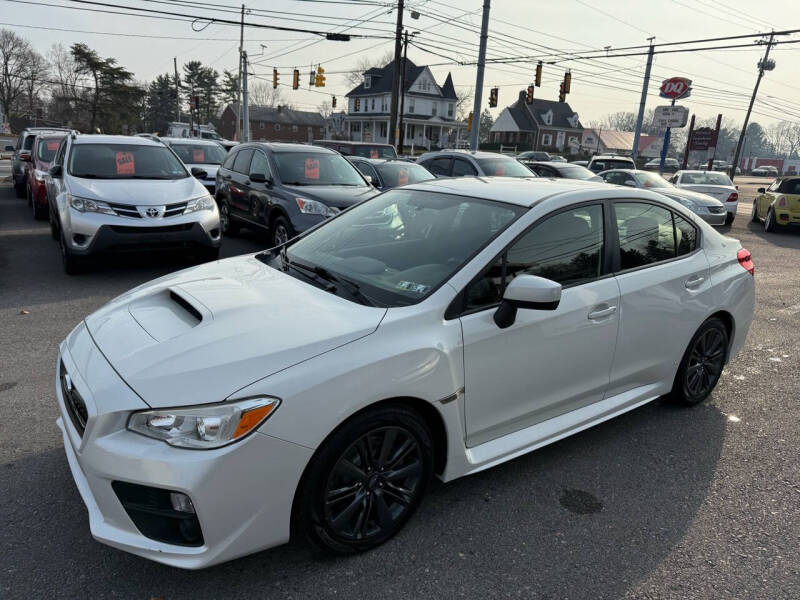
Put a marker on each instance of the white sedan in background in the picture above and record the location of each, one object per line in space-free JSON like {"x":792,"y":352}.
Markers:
{"x":714,"y":183}
{"x":437,"y":329}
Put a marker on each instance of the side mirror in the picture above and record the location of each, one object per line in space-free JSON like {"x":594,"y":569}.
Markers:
{"x":259,"y":178}
{"x":530,"y":292}
{"x":761,"y":190}
{"x":9,"y":148}
{"x":630,"y":182}
{"x":199,"y":173}
{"x":55,"y":171}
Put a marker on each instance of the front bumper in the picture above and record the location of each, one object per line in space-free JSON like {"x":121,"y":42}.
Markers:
{"x":242,"y":493}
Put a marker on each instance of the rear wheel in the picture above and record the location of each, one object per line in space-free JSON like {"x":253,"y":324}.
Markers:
{"x":366,"y":480}
{"x":702,"y":364}
{"x":754,"y":216}
{"x":770,"y":223}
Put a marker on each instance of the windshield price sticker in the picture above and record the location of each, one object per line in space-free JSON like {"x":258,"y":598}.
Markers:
{"x":500,"y":170}
{"x":125,"y":163}
{"x":52,"y":145}
{"x":402,"y":177}
{"x":373,"y":153}
{"x":312,"y":168}
{"x":198,"y":155}
{"x":410,"y":286}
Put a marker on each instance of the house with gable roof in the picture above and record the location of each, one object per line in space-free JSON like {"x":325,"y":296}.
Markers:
{"x":429,"y":109}
{"x":543,"y":125}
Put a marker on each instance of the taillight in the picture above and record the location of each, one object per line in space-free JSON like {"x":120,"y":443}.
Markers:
{"x":782,"y":201}
{"x":733,"y":197}
{"x":746,"y":261}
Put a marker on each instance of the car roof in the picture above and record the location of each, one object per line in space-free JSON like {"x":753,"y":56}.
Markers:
{"x":611,"y":156}
{"x":553,"y":163}
{"x":352,"y":143}
{"x":697,"y":171}
{"x":473,"y":153}
{"x":115,"y":139}
{"x":521,"y":191}
{"x":194,"y":141}
{"x":380,"y":161}
{"x":289,"y":147}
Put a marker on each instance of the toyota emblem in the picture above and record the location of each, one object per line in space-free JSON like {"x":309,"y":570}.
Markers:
{"x":152,"y":212}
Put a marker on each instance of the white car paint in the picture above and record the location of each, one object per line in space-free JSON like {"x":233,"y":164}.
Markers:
{"x":727,"y":194}
{"x":612,"y":345}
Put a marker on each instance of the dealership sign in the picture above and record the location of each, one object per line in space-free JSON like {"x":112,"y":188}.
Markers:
{"x":676,"y":88}
{"x":670,"y":116}
{"x":702,"y":139}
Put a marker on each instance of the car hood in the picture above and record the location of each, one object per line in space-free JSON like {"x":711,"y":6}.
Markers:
{"x":697,"y":198}
{"x":339,"y":196}
{"x":720,"y":192}
{"x":199,"y":335}
{"x":141,"y":192}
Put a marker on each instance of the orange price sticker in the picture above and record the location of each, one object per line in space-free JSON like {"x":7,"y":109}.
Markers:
{"x":125,"y":163}
{"x":402,"y":177}
{"x":52,"y":146}
{"x":312,"y":168}
{"x":373,"y":153}
{"x":198,"y":155}
{"x":500,"y":170}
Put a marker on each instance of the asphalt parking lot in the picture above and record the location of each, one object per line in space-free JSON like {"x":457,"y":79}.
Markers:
{"x":660,"y":503}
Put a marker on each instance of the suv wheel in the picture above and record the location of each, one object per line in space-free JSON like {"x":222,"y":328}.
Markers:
{"x":226,"y":224}
{"x":281,"y":231}
{"x":19,"y":189}
{"x":37,"y":210}
{"x":72,"y":263}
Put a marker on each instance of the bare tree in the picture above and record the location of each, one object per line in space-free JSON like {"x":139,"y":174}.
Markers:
{"x":63,"y":91}
{"x":262,"y":94}
{"x":15,"y":53}
{"x":325,"y":109}
{"x":464,"y":102}
{"x":365,"y":63}
{"x":777,"y":136}
{"x":36,"y":83}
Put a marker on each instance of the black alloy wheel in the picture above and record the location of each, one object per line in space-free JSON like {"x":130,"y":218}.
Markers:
{"x":281,"y":231}
{"x":702,"y":363}
{"x":366,"y":480}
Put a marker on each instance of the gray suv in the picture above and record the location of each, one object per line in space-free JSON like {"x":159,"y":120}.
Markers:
{"x":463,"y":163}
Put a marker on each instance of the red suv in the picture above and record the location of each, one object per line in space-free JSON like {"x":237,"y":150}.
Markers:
{"x":42,"y":152}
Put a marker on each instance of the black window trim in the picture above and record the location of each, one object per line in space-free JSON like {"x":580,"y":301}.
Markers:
{"x":257,"y":150}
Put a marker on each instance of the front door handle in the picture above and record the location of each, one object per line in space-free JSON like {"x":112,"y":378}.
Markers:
{"x":601,"y":312}
{"x":694,"y":281}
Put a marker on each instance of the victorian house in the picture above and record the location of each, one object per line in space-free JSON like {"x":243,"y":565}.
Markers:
{"x":543,"y":125}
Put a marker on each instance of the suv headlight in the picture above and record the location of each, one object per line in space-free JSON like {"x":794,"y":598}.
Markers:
{"x":204,"y":427}
{"x":312,"y":207}
{"x":86,"y":205}
{"x":201,"y":203}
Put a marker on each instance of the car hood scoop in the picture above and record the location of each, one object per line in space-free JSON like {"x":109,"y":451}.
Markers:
{"x":199,"y":335}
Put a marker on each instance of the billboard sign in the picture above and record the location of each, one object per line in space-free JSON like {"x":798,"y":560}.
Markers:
{"x":702,"y":139}
{"x":670,"y":116}
{"x":675,"y":88}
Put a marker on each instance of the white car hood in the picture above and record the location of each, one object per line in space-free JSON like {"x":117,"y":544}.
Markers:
{"x":139,"y":192}
{"x":254,"y":321}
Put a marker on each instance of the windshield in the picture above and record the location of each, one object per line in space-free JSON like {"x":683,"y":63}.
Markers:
{"x":395,"y":174}
{"x":199,"y":154}
{"x":124,"y":161}
{"x":400,"y":246}
{"x":706,"y":179}
{"x":576,"y":172}
{"x":652,"y":180}
{"x":611,"y":163}
{"x":503,"y":166}
{"x":46,"y":149}
{"x":318,"y":168}
{"x":376,"y":151}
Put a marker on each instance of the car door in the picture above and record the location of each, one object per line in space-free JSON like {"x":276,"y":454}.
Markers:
{"x":240,"y":184}
{"x":548,"y":362}
{"x":260,"y":192}
{"x":463,"y":168}
{"x":665,"y":292}
{"x":765,"y":200}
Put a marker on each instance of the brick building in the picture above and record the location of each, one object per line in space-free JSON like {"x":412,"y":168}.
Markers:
{"x":276,"y":124}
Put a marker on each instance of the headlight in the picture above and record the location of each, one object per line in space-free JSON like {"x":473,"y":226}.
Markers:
{"x":204,"y":427}
{"x":202,"y":203}
{"x":85,"y":205}
{"x":312,"y":207}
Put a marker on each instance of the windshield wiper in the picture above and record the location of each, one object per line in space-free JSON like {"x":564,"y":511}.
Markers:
{"x":351,"y":286}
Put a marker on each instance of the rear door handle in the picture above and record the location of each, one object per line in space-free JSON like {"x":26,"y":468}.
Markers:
{"x":601,"y":312}
{"x":694,"y":281}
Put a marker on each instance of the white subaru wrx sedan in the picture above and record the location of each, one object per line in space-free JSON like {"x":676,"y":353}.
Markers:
{"x":434,"y":330}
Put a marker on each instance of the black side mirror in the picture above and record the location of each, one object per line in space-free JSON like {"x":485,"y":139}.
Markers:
{"x":761,"y":190}
{"x":530,"y":292}
{"x":55,"y":171}
{"x":199,"y":173}
{"x":259,"y":178}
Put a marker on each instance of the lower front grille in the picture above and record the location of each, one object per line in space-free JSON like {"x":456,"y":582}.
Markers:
{"x":166,"y":229}
{"x":76,"y":407}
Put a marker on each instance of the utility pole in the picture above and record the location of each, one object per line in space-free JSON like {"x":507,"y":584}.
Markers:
{"x":642,"y":101}
{"x":177,"y":90}
{"x":238,"y":136}
{"x":396,"y":79}
{"x":762,"y":66}
{"x":401,"y":126}
{"x":476,"y":106}
{"x":688,"y":145}
{"x":716,"y":139}
{"x":245,"y":106}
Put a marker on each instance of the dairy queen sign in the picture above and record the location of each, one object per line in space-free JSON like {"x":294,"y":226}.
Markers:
{"x":675,"y":88}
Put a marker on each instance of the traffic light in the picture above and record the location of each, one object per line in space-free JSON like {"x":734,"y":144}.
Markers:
{"x":567,"y":81}
{"x":319,"y":80}
{"x":358,"y":104}
{"x":312,"y":77}
{"x":493,"y":97}
{"x":469,"y":122}
{"x":562,"y":95}
{"x":529,"y":95}
{"x":274,"y":78}
{"x":296,"y":79}
{"x":539,"y":74}
{"x":333,"y":102}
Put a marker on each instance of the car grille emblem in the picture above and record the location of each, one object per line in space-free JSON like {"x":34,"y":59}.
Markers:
{"x":152,"y":212}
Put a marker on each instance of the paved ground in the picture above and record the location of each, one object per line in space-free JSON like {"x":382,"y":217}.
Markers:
{"x":660,"y":503}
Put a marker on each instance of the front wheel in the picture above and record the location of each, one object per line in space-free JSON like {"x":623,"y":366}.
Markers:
{"x":770,"y":224}
{"x":281,"y":231}
{"x":754,"y":216}
{"x":366,"y":480}
{"x":72,"y":264}
{"x":19,"y":189}
{"x":702,"y":364}
{"x":729,"y":218}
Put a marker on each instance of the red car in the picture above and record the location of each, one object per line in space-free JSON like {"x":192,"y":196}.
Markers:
{"x":42,"y":152}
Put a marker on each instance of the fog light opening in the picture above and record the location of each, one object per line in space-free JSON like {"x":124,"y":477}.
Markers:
{"x":79,"y":239}
{"x":181,"y":502}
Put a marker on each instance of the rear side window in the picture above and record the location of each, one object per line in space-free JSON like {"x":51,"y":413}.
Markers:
{"x":260,"y":164}
{"x":790,"y":186}
{"x":242,"y":162}
{"x":440,"y":166}
{"x":646,"y":234}
{"x":462,"y":168}
{"x":686,"y":235}
{"x":28,"y":143}
{"x":228,"y":164}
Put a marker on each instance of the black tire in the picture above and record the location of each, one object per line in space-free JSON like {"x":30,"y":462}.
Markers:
{"x":72,"y":264}
{"x":729,"y":218}
{"x":37,"y":210}
{"x":53,"y":224}
{"x":280,"y":231}
{"x":754,"y":216}
{"x":343,"y":507}
{"x":702,"y":364}
{"x":19,"y":189}
{"x":227,"y":225}
{"x":770,"y":224}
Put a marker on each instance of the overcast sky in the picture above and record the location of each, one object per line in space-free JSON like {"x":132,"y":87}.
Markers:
{"x":549,"y":30}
